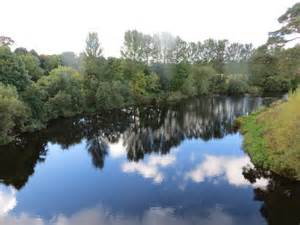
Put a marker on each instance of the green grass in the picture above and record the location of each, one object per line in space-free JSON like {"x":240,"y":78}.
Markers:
{"x":272,"y":137}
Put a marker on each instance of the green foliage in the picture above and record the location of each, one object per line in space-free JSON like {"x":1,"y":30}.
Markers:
{"x":237,"y":85}
{"x":218,"y":84}
{"x":69,"y":59}
{"x":201,"y":76}
{"x":276,"y":84}
{"x":180,"y":73}
{"x":291,"y":25}
{"x":12,"y":70}
{"x":50,"y":62}
{"x":13,"y":113}
{"x":32,"y":65}
{"x":110,"y":95}
{"x":61,"y":92}
{"x":272,"y":136}
{"x":254,"y":143}
{"x":138,"y":85}
{"x":263,"y":64}
{"x":93,"y":46}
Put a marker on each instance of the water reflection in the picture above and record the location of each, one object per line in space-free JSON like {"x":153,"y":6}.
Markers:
{"x":280,"y":199}
{"x":161,"y":164}
{"x":102,"y":216}
{"x":143,"y":130}
{"x":229,"y":168}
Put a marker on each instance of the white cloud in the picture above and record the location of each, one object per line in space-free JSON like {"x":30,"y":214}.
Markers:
{"x":230,"y":168}
{"x":151,"y":168}
{"x":8,"y":199}
{"x":117,"y":150}
{"x":101,"y":216}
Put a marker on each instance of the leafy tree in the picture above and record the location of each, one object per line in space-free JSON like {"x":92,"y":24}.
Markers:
{"x":6,"y":41}
{"x":32,"y":65}
{"x":109,"y":95}
{"x":61,"y":93}
{"x":93,"y":46}
{"x":138,"y":84}
{"x":237,"y":85}
{"x":218,"y":84}
{"x":133,"y":45}
{"x":94,"y":63}
{"x":276,"y":84}
{"x":21,"y":51}
{"x":49,"y":62}
{"x":180,"y":73}
{"x":70,"y":59}
{"x":13,"y":113}
{"x":291,"y":26}
{"x":201,"y":77}
{"x":12,"y":70}
{"x":262,"y":64}
{"x":152,"y":84}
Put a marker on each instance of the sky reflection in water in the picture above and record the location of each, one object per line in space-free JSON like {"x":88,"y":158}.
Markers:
{"x":183,"y":166}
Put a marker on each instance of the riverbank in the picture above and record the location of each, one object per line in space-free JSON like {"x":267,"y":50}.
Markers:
{"x":272,"y":136}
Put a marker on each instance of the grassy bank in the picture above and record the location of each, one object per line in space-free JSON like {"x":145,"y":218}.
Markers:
{"x":272,"y":137}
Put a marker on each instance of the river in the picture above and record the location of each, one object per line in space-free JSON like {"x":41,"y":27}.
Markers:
{"x":168,"y":164}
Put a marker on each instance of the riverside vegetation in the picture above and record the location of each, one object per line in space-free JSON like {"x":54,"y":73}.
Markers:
{"x":272,"y":136}
{"x":35,"y":88}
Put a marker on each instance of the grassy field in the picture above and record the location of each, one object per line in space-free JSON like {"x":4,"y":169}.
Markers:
{"x":272,"y":137}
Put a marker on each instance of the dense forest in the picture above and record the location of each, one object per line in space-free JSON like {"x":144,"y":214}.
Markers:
{"x":36,"y":88}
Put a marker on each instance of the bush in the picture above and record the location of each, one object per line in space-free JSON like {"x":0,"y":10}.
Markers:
{"x":276,"y":84}
{"x":201,"y":75}
{"x":218,"y":84}
{"x":237,"y":85}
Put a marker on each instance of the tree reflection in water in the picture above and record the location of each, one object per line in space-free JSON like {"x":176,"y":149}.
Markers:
{"x":280,"y":199}
{"x":144,"y":129}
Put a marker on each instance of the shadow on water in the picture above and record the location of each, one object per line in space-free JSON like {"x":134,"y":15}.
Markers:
{"x":280,"y":198}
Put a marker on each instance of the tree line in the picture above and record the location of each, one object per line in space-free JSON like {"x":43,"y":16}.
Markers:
{"x":36,"y":88}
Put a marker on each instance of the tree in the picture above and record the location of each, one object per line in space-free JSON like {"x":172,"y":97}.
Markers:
{"x":200,"y":78}
{"x":49,"y":62}
{"x":32,"y":65}
{"x":13,"y":113}
{"x":291,"y":26}
{"x":133,"y":46}
{"x":138,"y":84}
{"x":61,"y":92}
{"x":21,"y":51}
{"x":109,"y":95}
{"x":12,"y":70}
{"x":93,"y":46}
{"x":180,"y":73}
{"x":6,"y":41}
{"x":70,"y":59}
{"x":262,"y":64}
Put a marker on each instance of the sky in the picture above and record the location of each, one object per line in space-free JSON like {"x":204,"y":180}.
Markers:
{"x":55,"y":26}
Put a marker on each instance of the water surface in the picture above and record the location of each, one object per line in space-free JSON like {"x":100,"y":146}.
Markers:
{"x":161,"y":165}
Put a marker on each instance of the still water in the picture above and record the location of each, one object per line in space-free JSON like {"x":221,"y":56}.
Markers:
{"x":161,"y":165}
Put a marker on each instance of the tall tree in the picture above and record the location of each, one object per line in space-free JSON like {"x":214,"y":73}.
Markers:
{"x":291,"y":26}
{"x":93,"y":46}
{"x":12,"y":69}
{"x":6,"y":41}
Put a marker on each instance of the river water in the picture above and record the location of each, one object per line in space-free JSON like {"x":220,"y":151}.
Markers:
{"x":170,"y":164}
